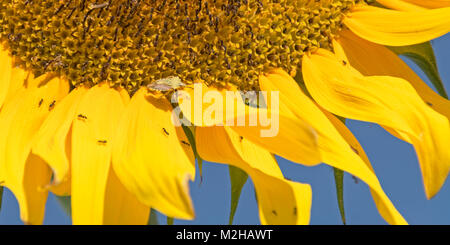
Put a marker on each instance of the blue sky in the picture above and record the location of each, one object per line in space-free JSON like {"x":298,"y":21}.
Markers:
{"x":394,"y":162}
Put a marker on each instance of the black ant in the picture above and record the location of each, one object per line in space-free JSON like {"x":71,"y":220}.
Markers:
{"x":81,"y":116}
{"x":165,"y":132}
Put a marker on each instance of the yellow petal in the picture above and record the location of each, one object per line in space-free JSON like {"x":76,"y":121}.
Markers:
{"x":397,"y":28}
{"x":388,"y":101}
{"x":97,"y":196}
{"x":400,"y":5}
{"x":121,"y":206}
{"x":428,"y":3}
{"x":33,"y":195}
{"x":386,"y":211}
{"x":281,"y":134}
{"x":206,"y":106}
{"x":20,"y":119}
{"x":97,"y":117}
{"x":63,"y":188}
{"x":52,"y":140}
{"x":376,"y":60}
{"x":12,"y":77}
{"x":6,"y":67}
{"x":18,"y":79}
{"x":334,"y":150}
{"x":295,"y":141}
{"x":280,"y":201}
{"x":153,"y":158}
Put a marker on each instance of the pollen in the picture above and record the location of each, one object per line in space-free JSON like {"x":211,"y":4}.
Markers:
{"x":134,"y":43}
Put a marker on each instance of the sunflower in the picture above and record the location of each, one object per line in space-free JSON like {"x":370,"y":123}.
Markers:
{"x":78,"y":118}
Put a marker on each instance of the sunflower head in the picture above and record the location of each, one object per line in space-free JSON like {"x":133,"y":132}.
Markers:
{"x":134,"y":43}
